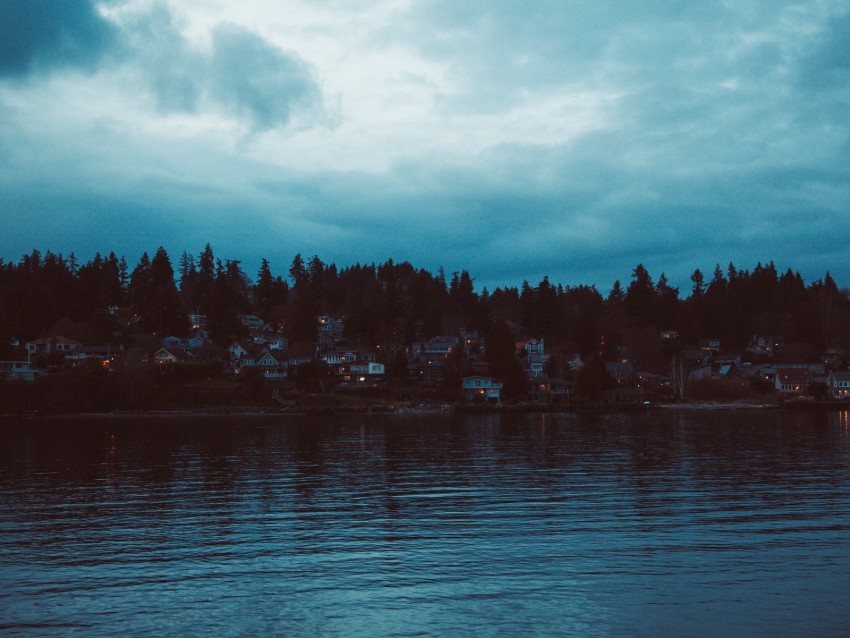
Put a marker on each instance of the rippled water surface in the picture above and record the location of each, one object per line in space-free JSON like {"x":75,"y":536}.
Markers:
{"x":652,"y":524}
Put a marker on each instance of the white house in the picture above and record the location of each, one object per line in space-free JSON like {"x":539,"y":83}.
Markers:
{"x":791,"y":380}
{"x":52,"y":344}
{"x":839,"y":384}
{"x":531,"y":346}
{"x":272,"y":366}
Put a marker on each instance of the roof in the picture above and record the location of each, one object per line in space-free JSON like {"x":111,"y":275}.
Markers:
{"x":620,"y":370}
{"x":792,"y":375}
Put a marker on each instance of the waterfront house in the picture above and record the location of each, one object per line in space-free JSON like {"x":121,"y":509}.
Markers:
{"x":533,"y":365}
{"x":365,"y":372}
{"x":272,"y":366}
{"x":478,"y":388}
{"x":622,"y":373}
{"x":17,"y":371}
{"x":839,"y":384}
{"x":171,"y":355}
{"x":353,"y":364}
{"x":791,"y":381}
{"x":550,"y":390}
{"x":426,"y":369}
{"x":52,"y":344}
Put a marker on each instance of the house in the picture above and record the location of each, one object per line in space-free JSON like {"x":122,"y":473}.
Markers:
{"x":366,"y":372}
{"x":550,"y":390}
{"x":812,"y":368}
{"x":699,"y":373}
{"x":695,"y":357}
{"x":197,"y":338}
{"x":765,"y":346}
{"x":651,"y":382}
{"x":255,"y":325}
{"x":622,"y":373}
{"x":171,"y":342}
{"x":237,"y":350}
{"x":727,"y":358}
{"x":300,"y":354}
{"x":353,"y":364}
{"x":725,"y":364}
{"x":624,"y":354}
{"x":791,"y":380}
{"x":478,"y":388}
{"x":479,"y":366}
{"x":623,"y":395}
{"x":439,"y":346}
{"x":197,"y":320}
{"x":747,"y":371}
{"x":533,"y":365}
{"x":277,"y":342}
{"x":104,"y":354}
{"x":839,"y":384}
{"x":531,"y":346}
{"x":340,"y":356}
{"x":171,"y":355}
{"x":426,"y":369}
{"x":330,"y":330}
{"x":52,"y":344}
{"x":17,"y":371}
{"x":835,"y":358}
{"x":471,"y":340}
{"x":709,"y":345}
{"x":272,"y":366}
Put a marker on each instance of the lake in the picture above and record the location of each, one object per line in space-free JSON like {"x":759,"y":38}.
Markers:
{"x":657,"y":523}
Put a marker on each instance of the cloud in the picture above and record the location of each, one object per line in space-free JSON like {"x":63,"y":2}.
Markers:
{"x":827,"y":67}
{"x":39,"y":35}
{"x":257,"y":80}
{"x":570,"y":139}
{"x":175,"y":71}
{"x":239,"y":74}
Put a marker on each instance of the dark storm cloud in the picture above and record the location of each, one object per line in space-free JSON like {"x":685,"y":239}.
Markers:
{"x":176,"y":72}
{"x":827,"y":67}
{"x":42,"y":34}
{"x":258,"y":80}
{"x":241,"y":73}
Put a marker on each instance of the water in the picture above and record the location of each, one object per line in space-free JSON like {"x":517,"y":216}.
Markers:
{"x":652,"y":524}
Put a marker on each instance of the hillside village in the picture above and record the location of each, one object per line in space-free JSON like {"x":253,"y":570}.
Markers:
{"x":402,"y":335}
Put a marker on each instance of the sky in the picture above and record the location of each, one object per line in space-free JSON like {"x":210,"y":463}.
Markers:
{"x":516,"y":140}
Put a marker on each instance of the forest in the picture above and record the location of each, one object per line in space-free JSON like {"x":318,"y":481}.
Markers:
{"x":105,"y":300}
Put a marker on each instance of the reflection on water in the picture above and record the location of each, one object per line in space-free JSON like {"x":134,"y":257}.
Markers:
{"x":661,"y":523}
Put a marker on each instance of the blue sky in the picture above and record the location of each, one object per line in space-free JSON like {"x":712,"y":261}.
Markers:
{"x":516,"y":140}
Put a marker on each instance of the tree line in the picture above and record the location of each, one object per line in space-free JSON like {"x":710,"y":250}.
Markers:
{"x":104,"y":300}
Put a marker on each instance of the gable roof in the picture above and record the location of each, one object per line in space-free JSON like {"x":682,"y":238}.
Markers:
{"x":792,"y":375}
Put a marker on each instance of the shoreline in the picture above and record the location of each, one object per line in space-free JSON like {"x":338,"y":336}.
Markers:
{"x":434,"y":409}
